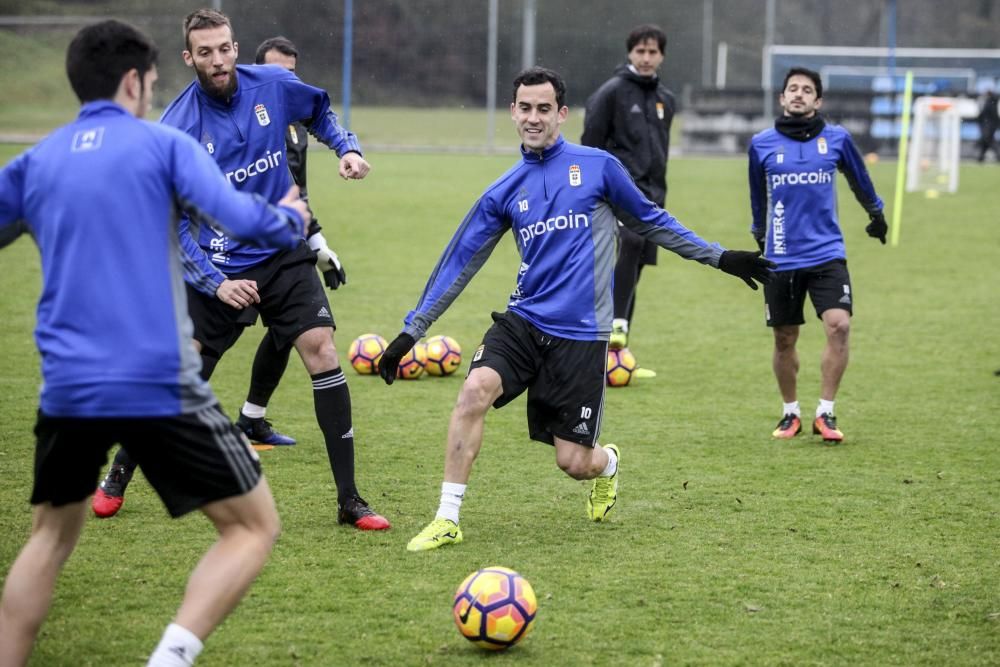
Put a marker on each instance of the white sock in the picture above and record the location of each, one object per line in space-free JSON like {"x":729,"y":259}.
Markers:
{"x":451,"y":501}
{"x":824,"y":407}
{"x":612,"y":466}
{"x":253,"y":411}
{"x":178,"y":648}
{"x":791,"y":409}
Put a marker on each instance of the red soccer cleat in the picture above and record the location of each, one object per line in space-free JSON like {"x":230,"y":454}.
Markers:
{"x":110,"y":495}
{"x":826,"y":426}
{"x":357,"y":513}
{"x":789,"y":427}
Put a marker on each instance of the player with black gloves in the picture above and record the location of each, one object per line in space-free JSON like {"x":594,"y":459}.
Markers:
{"x":552,"y":341}
{"x":793,"y":200}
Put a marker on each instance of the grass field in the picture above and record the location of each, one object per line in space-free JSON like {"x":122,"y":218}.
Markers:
{"x":727,"y":547}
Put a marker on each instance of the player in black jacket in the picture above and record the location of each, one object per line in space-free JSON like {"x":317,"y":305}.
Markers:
{"x":629,"y":116}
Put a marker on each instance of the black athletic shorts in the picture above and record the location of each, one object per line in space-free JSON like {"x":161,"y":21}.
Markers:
{"x":564,"y":378}
{"x":190,"y":460}
{"x":828,"y":286}
{"x":292,"y":301}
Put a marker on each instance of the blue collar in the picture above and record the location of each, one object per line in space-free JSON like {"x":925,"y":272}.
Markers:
{"x":547,"y":153}
{"x":101,"y":108}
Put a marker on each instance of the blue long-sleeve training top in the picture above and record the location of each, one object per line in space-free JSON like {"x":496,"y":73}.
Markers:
{"x":793,"y":194}
{"x":102,"y":197}
{"x":558,"y":207}
{"x":246,"y":138}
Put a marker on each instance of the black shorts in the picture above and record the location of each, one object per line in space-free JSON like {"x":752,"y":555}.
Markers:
{"x":564,"y":378}
{"x":292,"y":300}
{"x":828,"y":286}
{"x":190,"y":460}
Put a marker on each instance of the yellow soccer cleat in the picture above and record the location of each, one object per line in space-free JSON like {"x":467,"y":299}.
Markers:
{"x":438,"y":533}
{"x":604,"y":493}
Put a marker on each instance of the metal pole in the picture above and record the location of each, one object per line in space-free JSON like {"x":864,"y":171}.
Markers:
{"x":348,"y":57}
{"x":769,"y":75}
{"x":491,"y":74}
{"x":721,"y":61}
{"x":706,"y":43}
{"x":528,"y":34}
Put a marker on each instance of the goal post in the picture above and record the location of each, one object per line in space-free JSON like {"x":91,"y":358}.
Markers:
{"x":935,"y":144}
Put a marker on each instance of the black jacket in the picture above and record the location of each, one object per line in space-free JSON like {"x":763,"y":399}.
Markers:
{"x":296,"y":145}
{"x":629,"y":116}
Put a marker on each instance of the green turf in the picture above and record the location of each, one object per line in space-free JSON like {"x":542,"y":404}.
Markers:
{"x":727,"y":548}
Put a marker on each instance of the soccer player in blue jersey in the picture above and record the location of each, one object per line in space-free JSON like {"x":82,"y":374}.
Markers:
{"x":552,"y":342}
{"x":239,"y":114}
{"x":271,"y":360}
{"x":793,"y":201}
{"x":101,"y":197}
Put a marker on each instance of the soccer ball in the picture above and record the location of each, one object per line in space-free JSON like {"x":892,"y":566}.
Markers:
{"x":494,"y":608}
{"x":444,"y":355}
{"x":411,"y":366}
{"x":621,"y":366}
{"x":365,"y":352}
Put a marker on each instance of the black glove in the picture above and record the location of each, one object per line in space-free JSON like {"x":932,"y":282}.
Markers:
{"x":760,"y":243}
{"x":877,"y":227}
{"x":389,"y":362}
{"x":747,"y":265}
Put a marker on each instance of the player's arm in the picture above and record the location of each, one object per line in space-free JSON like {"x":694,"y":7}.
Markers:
{"x":758,"y":197}
{"x":465,"y":254}
{"x":657,"y":225}
{"x":204,"y":194}
{"x":11,"y":197}
{"x":311,"y":106}
{"x":201,"y":274}
{"x":852,"y":165}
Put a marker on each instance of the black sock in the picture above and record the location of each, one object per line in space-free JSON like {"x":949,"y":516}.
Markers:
{"x":269,"y":365}
{"x":123,"y":459}
{"x":332,"y":400}
{"x":208,"y":363}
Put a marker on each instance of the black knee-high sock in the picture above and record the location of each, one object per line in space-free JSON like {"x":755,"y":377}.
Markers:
{"x":269,"y":365}
{"x":208,"y":364}
{"x":123,"y":459}
{"x":333,"y":412}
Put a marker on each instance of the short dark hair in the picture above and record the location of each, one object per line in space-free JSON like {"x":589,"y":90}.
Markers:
{"x":100,"y":55}
{"x":534,"y":76}
{"x":643,"y":32}
{"x":202,"y":19}
{"x":280,"y":44}
{"x":803,"y":71}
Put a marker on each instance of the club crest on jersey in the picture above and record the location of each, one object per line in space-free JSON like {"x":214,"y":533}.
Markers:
{"x":659,"y":110}
{"x":87,"y":140}
{"x":821,"y":145}
{"x":574,"y":175}
{"x":779,"y":158}
{"x":262,"y":116}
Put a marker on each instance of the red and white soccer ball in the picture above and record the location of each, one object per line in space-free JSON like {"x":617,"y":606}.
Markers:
{"x":365,"y":352}
{"x":411,"y":366}
{"x":621,"y":366}
{"x":494,"y":608}
{"x":444,"y":355}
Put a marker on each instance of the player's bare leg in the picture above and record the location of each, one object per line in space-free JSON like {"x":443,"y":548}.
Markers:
{"x":785,"y":363}
{"x":597,"y":463}
{"x":837,"y":325}
{"x":27,"y":592}
{"x":248,"y":526}
{"x":481,"y":388}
